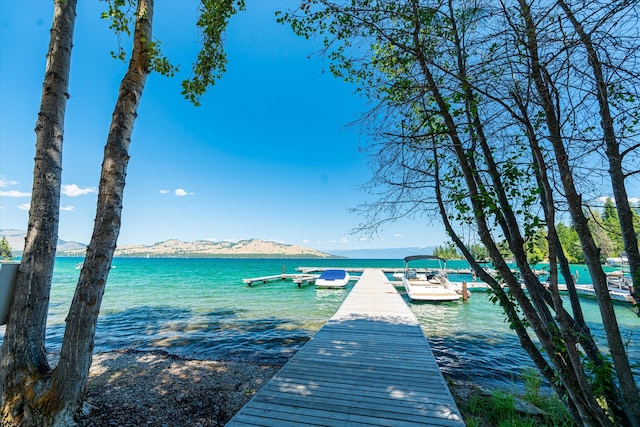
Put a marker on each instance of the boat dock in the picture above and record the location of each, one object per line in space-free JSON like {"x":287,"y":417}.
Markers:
{"x":369,"y":365}
{"x":299,"y":279}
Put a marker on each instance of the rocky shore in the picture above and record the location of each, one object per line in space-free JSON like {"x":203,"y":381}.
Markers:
{"x":156,"y":389}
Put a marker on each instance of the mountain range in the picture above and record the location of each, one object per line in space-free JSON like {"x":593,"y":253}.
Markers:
{"x":251,"y":248}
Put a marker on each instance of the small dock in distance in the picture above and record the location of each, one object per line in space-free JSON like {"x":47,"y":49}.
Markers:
{"x":369,"y":365}
{"x":299,"y":279}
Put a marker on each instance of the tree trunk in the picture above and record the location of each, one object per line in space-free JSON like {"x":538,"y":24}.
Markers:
{"x":628,"y":387}
{"x":36,"y":395}
{"x":70,"y":376}
{"x":591,"y":251}
{"x":23,"y":361}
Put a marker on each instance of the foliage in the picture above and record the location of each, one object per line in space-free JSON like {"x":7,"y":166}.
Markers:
{"x":570,"y":243}
{"x":211,"y":61}
{"x":120,"y":14}
{"x":611,"y":225}
{"x":5,"y":249}
{"x":532,"y":383}
{"x":537,"y":247}
{"x":479,"y":252}
{"x":447,"y":251}
{"x":498,"y":409}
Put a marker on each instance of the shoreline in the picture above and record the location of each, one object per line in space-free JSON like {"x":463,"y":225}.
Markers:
{"x":156,"y":388}
{"x":129,"y":387}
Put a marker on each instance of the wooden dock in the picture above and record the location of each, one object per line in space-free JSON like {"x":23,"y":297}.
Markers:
{"x":370,"y":365}
{"x":296,"y":278}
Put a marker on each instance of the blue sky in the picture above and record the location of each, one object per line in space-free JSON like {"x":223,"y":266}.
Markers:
{"x":267,"y":155}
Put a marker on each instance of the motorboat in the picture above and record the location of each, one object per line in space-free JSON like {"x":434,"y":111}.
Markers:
{"x":617,"y":280}
{"x":332,"y":279}
{"x":427,"y":284}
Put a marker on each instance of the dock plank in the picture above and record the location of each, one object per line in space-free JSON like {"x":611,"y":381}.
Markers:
{"x":370,"y":365}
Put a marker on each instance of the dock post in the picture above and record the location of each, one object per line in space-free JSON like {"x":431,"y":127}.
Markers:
{"x":465,"y":293}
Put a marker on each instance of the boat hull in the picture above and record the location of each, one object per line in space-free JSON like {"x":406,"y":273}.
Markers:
{"x":429,"y":292}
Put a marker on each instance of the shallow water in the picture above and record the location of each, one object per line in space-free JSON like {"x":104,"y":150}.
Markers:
{"x":199,"y":308}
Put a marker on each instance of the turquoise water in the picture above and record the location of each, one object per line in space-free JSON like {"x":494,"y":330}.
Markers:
{"x":199,"y":308}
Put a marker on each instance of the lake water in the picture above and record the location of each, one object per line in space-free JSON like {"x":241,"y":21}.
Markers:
{"x":200,"y":308}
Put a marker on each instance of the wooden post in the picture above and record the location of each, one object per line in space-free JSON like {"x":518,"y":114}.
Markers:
{"x":465,"y":293}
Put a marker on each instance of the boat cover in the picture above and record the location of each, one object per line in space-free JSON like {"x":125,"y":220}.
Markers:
{"x":333,"y":274}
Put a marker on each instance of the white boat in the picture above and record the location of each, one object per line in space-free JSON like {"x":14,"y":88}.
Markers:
{"x":622,"y":261}
{"x":617,"y":280}
{"x":428,"y":284}
{"x":332,"y":279}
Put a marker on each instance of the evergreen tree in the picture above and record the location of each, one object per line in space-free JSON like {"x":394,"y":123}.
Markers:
{"x":611,"y":225}
{"x":447,"y":251}
{"x":5,"y":249}
{"x":570,"y":243}
{"x":479,"y":252}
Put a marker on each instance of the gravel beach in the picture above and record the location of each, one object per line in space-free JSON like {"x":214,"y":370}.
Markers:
{"x":133,"y":388}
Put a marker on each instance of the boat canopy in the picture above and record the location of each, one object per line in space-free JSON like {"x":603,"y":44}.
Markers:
{"x":415,"y":257}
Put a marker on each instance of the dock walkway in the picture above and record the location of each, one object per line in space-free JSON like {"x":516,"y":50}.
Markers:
{"x":370,"y":365}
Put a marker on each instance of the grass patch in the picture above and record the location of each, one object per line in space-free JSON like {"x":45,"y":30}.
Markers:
{"x":480,"y":408}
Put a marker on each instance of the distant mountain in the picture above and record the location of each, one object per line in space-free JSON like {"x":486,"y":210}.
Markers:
{"x":16,"y":241}
{"x":391,"y":253}
{"x":252,"y":248}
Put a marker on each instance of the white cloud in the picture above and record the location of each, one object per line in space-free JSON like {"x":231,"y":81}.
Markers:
{"x":634,"y":199}
{"x":7,"y":183}
{"x":165,"y":191}
{"x":340,"y":240}
{"x":24,"y":206}
{"x":72,"y":190}
{"x":67,"y":208}
{"x":398,"y":235}
{"x":181,"y":193}
{"x":14,"y":193}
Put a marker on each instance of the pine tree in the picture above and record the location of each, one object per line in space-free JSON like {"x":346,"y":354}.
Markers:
{"x":5,"y":249}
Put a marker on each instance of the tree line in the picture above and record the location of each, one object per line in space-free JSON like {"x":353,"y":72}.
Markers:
{"x":604,"y":225}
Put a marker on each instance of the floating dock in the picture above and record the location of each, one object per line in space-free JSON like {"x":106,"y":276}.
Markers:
{"x":299,"y":279}
{"x":296,"y":278}
{"x":369,"y":365}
